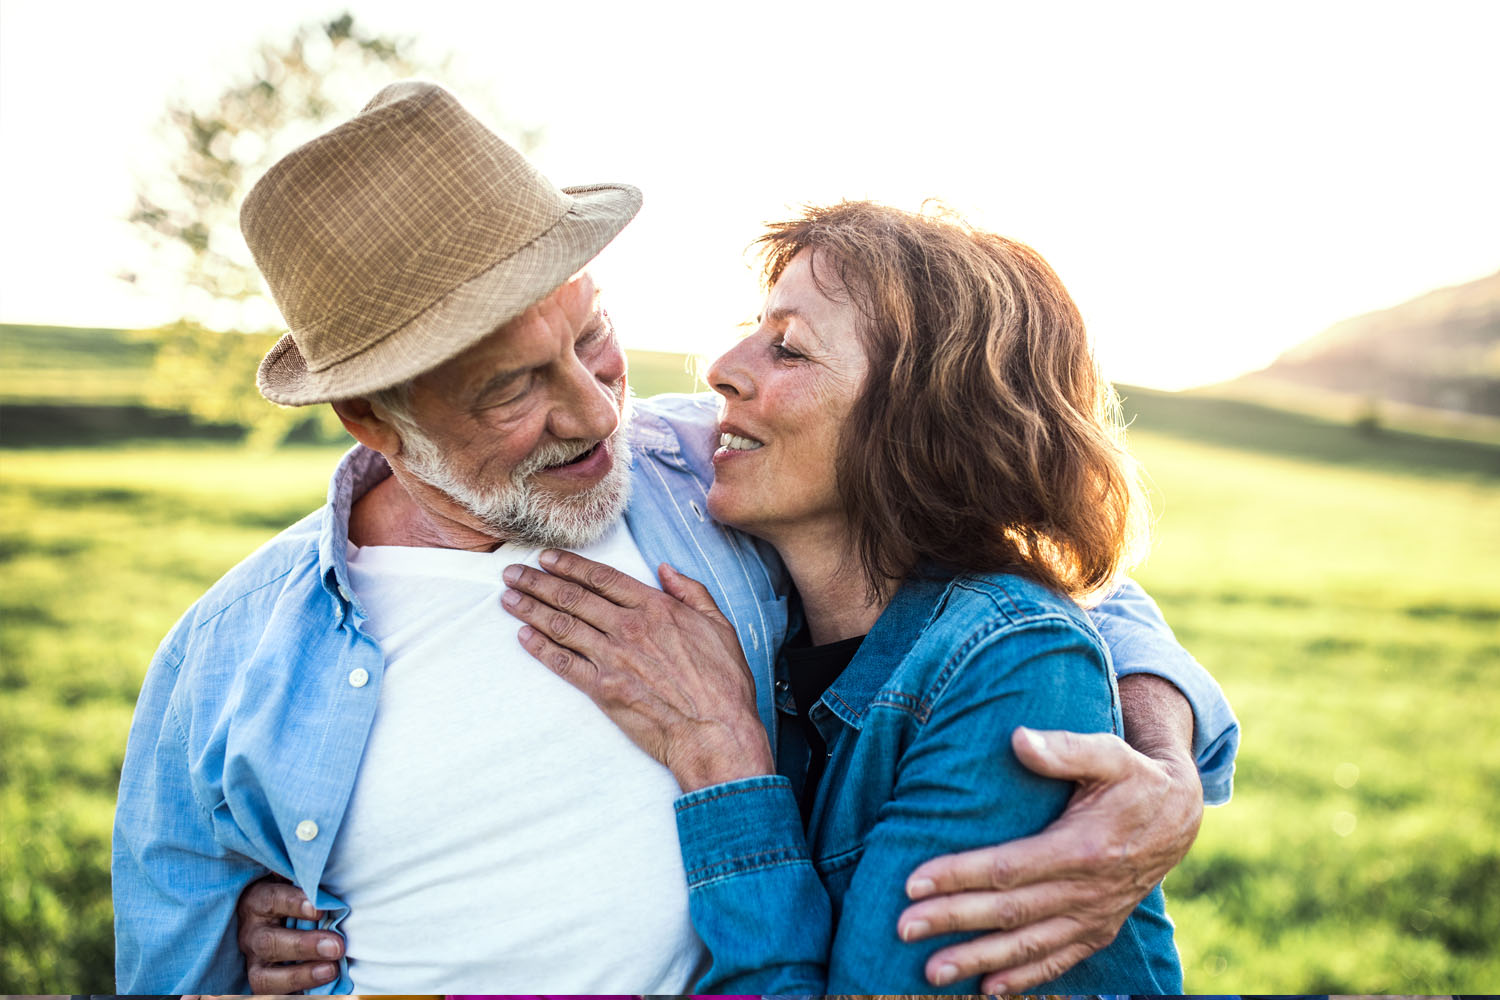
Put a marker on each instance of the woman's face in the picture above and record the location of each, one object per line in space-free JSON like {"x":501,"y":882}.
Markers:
{"x":787,"y":390}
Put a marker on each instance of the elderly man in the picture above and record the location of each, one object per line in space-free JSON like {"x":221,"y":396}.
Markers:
{"x":349,"y":708}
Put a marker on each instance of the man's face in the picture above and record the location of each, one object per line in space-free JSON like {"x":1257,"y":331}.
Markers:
{"x":525,"y":430}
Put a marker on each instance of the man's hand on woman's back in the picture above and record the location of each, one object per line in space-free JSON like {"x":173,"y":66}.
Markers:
{"x":1053,"y":899}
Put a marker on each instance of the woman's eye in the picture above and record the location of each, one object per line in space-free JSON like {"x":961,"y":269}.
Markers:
{"x":783,"y":352}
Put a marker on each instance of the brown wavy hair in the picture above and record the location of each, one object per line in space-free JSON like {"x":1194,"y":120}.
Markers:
{"x":985,"y":438}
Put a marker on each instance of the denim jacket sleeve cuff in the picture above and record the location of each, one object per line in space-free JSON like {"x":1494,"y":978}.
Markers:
{"x":747,"y":868}
{"x":1140,"y":642}
{"x":739,"y":827}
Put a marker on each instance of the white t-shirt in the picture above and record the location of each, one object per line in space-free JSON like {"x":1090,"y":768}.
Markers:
{"x":503,"y":835}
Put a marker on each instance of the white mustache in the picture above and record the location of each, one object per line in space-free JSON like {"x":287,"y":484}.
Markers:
{"x":552,"y":454}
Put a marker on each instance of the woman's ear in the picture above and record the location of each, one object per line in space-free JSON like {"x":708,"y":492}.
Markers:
{"x":369,"y":429}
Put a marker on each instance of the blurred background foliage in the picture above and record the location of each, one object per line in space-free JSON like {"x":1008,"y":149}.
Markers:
{"x":1327,"y":541}
{"x":188,"y":211}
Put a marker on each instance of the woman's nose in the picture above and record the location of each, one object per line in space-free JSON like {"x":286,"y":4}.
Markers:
{"x":729,"y":375}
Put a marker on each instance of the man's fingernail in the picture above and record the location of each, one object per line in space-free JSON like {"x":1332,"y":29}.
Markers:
{"x":917,"y":888}
{"x":511,"y":574}
{"x":945,"y":975}
{"x":328,"y":948}
{"x":324,"y":972}
{"x":548,"y":557}
{"x":309,"y":911}
{"x":1037,"y":740}
{"x":510,"y":598}
{"x":995,"y":987}
{"x":914,"y":930}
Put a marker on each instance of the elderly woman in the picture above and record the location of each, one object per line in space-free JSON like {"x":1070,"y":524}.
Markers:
{"x":919,"y":428}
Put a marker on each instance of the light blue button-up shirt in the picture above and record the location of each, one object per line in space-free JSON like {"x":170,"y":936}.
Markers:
{"x":256,"y":708}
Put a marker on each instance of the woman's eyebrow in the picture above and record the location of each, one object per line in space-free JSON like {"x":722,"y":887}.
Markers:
{"x":782,"y":313}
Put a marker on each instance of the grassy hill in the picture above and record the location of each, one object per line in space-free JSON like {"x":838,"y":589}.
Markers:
{"x":62,"y":386}
{"x":1307,"y":436}
{"x":1337,"y":579}
{"x":1440,"y":350}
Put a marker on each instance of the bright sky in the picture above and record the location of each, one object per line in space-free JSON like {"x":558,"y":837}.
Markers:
{"x":1213,"y":182}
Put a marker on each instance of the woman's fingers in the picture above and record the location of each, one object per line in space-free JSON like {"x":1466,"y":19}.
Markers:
{"x":563,"y":595}
{"x":265,"y":941}
{"x":562,"y":627}
{"x":283,"y":980}
{"x":268,"y":945}
{"x":273,"y":898}
{"x":689,"y":592}
{"x":606,"y":581}
{"x":577,"y":670}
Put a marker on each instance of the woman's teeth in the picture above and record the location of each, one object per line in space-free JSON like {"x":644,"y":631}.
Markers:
{"x":737,"y":443}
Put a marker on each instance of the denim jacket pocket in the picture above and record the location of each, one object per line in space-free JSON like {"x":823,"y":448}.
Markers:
{"x":837,"y":870}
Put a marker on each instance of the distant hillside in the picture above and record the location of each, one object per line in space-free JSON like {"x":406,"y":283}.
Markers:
{"x":1440,"y":350}
{"x":70,"y":386}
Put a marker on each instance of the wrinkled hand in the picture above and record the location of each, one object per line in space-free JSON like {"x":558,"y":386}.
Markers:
{"x":266,"y":941}
{"x":665,"y":665}
{"x":1055,"y":898}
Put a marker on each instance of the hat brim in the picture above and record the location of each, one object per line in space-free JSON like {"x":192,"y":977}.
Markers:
{"x":465,"y":315}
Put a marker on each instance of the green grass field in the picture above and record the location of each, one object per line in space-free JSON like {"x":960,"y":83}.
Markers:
{"x":1342,"y":587}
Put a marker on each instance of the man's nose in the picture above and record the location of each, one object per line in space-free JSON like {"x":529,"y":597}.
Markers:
{"x":587,"y":409}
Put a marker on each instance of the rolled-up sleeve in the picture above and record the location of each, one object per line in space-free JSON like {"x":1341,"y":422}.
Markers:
{"x":1141,"y":642}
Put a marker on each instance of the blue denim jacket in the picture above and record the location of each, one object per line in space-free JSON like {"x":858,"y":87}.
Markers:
{"x":248,"y":732}
{"x":918,"y":729}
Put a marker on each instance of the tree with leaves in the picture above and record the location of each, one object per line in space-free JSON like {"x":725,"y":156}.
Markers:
{"x":189,"y":211}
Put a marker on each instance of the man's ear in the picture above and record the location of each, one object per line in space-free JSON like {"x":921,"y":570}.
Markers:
{"x":369,"y":429}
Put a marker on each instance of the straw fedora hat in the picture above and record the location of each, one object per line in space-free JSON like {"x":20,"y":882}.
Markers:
{"x":403,"y":236}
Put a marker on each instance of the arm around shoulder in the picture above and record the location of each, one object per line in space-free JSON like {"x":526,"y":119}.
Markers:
{"x":1141,"y":643}
{"x":761,"y":905}
{"x":959,"y":786}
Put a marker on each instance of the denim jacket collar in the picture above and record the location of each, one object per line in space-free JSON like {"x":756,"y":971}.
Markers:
{"x":912,"y":608}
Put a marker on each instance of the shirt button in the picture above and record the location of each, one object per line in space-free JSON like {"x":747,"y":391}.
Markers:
{"x":307,"y":830}
{"x":359,"y":677}
{"x":344,"y":593}
{"x":782,"y":686}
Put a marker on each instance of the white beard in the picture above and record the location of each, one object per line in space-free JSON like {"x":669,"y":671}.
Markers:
{"x":519,"y":510}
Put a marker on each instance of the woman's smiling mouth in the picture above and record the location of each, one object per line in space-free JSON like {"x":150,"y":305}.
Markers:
{"x":737,"y":442}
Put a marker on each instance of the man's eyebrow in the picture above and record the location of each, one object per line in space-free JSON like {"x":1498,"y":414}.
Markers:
{"x":500,"y":379}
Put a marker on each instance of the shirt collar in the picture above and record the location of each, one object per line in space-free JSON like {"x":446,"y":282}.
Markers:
{"x":359,"y":471}
{"x":649,"y":431}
